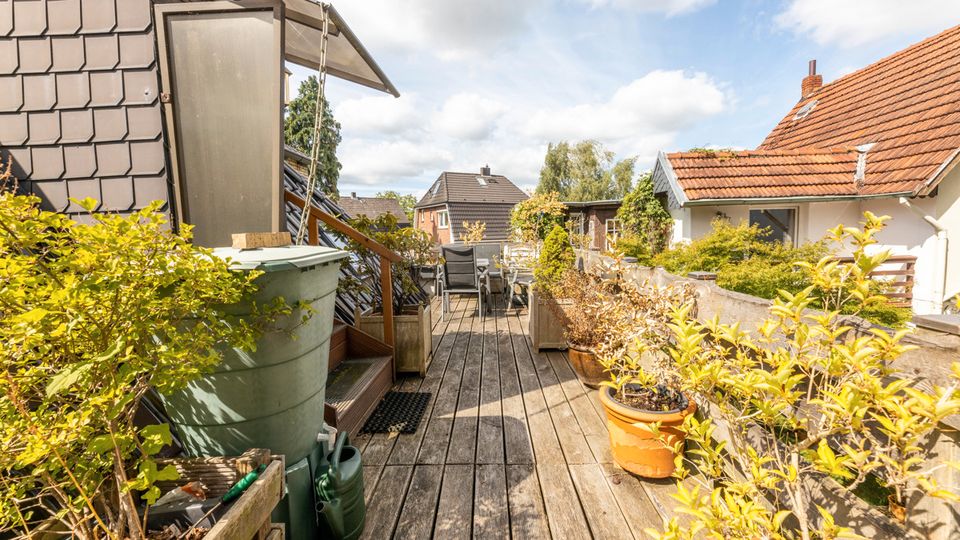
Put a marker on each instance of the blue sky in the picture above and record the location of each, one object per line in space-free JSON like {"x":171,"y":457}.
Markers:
{"x":495,"y":81}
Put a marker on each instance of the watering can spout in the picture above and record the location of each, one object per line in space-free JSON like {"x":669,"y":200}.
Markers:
{"x":341,"y":509}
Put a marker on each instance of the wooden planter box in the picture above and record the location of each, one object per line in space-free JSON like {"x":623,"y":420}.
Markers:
{"x":546,"y":328}
{"x":412,"y":332}
{"x":248,"y":517}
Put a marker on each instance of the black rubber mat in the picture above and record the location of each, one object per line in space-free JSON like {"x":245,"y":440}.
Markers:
{"x":399,"y":412}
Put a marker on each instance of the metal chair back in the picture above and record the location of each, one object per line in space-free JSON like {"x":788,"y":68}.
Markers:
{"x":460,"y":269}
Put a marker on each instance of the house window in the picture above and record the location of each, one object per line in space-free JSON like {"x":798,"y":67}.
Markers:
{"x":575,"y":223}
{"x":613,"y":233}
{"x":782,"y":223}
{"x":443,"y":220}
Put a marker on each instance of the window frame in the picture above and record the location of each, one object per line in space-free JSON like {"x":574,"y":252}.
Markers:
{"x":795,"y":225}
{"x":606,"y":232}
{"x":443,"y":219}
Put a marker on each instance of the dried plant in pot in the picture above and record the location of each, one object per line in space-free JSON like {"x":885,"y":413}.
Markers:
{"x":644,"y":407}
{"x":585,"y":330}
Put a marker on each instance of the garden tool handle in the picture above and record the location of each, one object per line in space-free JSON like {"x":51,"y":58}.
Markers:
{"x":337,"y":449}
{"x":242,"y":485}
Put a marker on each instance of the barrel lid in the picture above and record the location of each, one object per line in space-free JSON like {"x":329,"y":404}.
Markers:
{"x":278,"y":259}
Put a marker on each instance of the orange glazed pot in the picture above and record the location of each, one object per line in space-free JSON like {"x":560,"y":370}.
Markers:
{"x":585,"y":365}
{"x":636,"y":448}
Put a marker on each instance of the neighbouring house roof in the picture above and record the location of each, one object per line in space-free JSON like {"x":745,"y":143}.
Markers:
{"x":891,"y":128}
{"x":456,"y":187}
{"x":373,"y":207}
{"x":495,"y":216}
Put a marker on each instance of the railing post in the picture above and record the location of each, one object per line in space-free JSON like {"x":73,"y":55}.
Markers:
{"x":386,"y":290}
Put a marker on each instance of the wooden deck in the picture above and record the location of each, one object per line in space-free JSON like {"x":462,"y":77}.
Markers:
{"x":511,"y":445}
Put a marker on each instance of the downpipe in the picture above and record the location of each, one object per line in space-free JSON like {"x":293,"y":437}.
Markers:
{"x":940,"y":268}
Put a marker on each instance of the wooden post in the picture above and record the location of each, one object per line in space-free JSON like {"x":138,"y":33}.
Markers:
{"x":386,"y":288}
{"x":312,"y":233}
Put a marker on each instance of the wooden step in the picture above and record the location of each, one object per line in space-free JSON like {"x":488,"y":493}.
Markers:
{"x":338,"y":345}
{"x":354,"y":389}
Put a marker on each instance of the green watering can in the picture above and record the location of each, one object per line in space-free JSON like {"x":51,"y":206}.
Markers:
{"x":341,"y":510}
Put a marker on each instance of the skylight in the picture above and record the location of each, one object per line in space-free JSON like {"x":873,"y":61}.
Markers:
{"x":805,"y":110}
{"x":481,"y":180}
{"x":436,"y":188}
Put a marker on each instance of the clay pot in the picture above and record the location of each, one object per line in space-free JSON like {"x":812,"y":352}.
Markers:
{"x":585,"y":365}
{"x":635,"y":447}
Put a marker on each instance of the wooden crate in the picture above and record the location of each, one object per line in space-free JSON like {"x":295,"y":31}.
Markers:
{"x":248,"y":517}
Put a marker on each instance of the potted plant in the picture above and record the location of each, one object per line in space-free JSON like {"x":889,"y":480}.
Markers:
{"x":412,"y":322}
{"x":582,"y":312}
{"x":642,"y":400}
{"x":547,"y":319}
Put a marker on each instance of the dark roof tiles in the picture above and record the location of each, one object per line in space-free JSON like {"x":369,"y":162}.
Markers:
{"x":453,"y":187}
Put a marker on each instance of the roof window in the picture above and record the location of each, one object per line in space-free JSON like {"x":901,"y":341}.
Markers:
{"x":436,"y":188}
{"x":481,"y":180}
{"x":805,"y":110}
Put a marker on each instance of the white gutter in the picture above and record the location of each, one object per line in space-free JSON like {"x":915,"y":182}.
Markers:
{"x":940,"y":267}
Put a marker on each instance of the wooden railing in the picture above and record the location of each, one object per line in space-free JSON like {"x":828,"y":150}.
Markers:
{"x":387,"y":257}
{"x":897,"y":273}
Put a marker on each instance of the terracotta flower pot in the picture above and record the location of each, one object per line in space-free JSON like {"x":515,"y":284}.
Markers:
{"x":585,"y":365}
{"x":635,"y":447}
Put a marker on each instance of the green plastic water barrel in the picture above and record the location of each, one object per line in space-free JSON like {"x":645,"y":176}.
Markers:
{"x":273,"y":397}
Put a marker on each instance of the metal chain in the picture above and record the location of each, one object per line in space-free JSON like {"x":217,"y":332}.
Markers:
{"x":317,"y":128}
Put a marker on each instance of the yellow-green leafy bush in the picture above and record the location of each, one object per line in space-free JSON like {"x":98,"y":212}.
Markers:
{"x":92,"y":317}
{"x":556,"y":257}
{"x":798,"y":401}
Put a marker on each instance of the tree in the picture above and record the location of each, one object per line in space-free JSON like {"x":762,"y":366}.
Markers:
{"x":532,"y":219}
{"x":407,"y":202}
{"x":622,"y":173}
{"x":298,"y":133}
{"x":555,"y":173}
{"x":584,"y":171}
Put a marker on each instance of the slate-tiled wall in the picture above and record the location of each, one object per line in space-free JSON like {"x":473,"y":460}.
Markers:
{"x":79,"y":102}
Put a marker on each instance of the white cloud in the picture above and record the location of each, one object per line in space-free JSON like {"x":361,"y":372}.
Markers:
{"x":385,"y":162}
{"x":378,"y":114}
{"x":468,"y":116}
{"x":660,"y":102}
{"x":668,"y":7}
{"x":850,"y":23}
{"x":444,"y":28}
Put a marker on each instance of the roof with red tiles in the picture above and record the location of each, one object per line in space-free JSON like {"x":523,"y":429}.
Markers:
{"x":899,"y":116}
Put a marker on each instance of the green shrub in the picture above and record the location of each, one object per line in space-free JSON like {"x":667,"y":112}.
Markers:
{"x":556,"y":257}
{"x":746,"y":262}
{"x":644,"y":219}
{"x":636,"y":247}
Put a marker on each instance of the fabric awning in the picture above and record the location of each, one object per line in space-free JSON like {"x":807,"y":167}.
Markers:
{"x":346,"y":56}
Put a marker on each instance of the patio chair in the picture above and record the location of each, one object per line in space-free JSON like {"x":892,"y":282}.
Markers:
{"x":519,"y":278}
{"x":461,"y":276}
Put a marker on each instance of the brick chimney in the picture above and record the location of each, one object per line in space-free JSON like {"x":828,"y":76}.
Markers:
{"x":485,"y":170}
{"x":812,"y":82}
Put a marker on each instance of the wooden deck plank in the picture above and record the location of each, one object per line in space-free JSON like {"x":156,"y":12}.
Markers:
{"x":463,"y":436}
{"x":491,"y":513}
{"x":564,"y":513}
{"x":517,"y":444}
{"x":546,"y":446}
{"x":579,"y":396}
{"x":490,"y":428}
{"x":384,"y":506}
{"x":604,"y":516}
{"x":407,"y":446}
{"x":455,"y":509}
{"x":419,"y":509}
{"x":634,"y":503}
{"x":528,"y":517}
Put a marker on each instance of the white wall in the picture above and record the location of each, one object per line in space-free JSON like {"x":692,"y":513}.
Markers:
{"x":948,"y":213}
